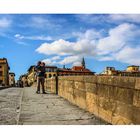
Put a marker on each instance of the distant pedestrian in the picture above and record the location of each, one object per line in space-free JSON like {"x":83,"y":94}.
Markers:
{"x":40,"y":70}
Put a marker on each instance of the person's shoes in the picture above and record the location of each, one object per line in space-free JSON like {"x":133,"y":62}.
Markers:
{"x":37,"y":92}
{"x":44,"y":92}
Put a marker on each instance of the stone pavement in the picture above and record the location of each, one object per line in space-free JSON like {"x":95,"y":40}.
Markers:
{"x":24,"y":107}
{"x":10,"y":100}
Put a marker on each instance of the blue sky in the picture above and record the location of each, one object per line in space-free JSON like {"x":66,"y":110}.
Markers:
{"x":58,"y":39}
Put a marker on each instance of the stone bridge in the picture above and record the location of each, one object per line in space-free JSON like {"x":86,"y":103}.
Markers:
{"x":74,"y":100}
{"x":22,"y":106}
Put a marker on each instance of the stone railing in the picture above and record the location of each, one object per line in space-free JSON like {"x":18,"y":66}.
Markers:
{"x":51,"y":85}
{"x":114,"y":99}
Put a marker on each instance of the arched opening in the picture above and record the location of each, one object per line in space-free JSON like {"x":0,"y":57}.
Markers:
{"x":50,"y":75}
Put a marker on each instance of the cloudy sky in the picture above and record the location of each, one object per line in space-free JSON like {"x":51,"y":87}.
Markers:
{"x":104,"y":40}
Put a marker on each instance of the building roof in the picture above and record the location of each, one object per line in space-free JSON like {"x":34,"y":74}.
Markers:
{"x":31,"y":67}
{"x":51,"y":66}
{"x":73,"y":71}
{"x":77,"y":68}
{"x":11,"y":73}
{"x":4,"y":61}
{"x":132,"y":66}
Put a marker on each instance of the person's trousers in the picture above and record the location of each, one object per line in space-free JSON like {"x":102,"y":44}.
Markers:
{"x":40,"y":81}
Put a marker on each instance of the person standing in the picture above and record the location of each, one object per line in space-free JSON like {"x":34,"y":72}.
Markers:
{"x":40,"y":69}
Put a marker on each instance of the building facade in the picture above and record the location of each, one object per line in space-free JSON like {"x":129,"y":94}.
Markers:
{"x":4,"y":72}
{"x":132,"y":68}
{"x":31,"y":75}
{"x":110,"y":71}
{"x":132,"y":71}
{"x":75,"y":70}
{"x":23,"y":81}
{"x":11,"y":79}
{"x":51,"y":71}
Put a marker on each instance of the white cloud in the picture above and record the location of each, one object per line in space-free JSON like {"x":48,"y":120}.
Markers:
{"x":117,"y":38}
{"x":56,"y":58}
{"x":72,"y":51}
{"x":71,"y":59}
{"x":52,"y":60}
{"x":5,"y":23}
{"x":47,"y":61}
{"x":41,"y":37}
{"x":90,"y":34}
{"x":118,"y":44}
{"x":129,"y":55}
{"x":82,"y":47}
{"x":60,"y":47}
{"x":125,"y":17}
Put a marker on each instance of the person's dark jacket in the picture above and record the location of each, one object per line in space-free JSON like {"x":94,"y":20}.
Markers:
{"x":40,"y":71}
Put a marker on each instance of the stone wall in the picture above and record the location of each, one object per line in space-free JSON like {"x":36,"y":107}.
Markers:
{"x":114,"y":99}
{"x":50,"y":85}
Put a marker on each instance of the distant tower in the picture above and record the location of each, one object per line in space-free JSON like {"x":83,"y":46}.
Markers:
{"x":64,"y":67}
{"x":83,"y":63}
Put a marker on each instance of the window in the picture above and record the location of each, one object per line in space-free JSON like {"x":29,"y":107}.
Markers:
{"x":0,"y":73}
{"x":0,"y":81}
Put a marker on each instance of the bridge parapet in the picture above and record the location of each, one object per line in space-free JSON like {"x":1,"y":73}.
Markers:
{"x":114,"y":99}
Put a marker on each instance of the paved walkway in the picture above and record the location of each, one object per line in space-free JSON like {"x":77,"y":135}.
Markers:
{"x":40,"y":109}
{"x":10,"y":100}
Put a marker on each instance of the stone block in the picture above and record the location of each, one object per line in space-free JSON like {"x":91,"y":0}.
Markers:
{"x":79,"y":85}
{"x":136,"y":98}
{"x":136,"y":115}
{"x":137,"y":85}
{"x":79,"y":98}
{"x":107,"y":104}
{"x":107,"y":80}
{"x":124,"y":110}
{"x":123,"y":95}
{"x":90,"y":87}
{"x":78,"y":93}
{"x":90,"y":79}
{"x":105,"y":114}
{"x":92,"y":103}
{"x":119,"y":120}
{"x":127,"y":82}
{"x":105,"y":91}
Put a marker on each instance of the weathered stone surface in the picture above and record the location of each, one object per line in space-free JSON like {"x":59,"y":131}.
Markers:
{"x":109,"y":97}
{"x":71,"y":78}
{"x":136,"y":115}
{"x":10,"y":100}
{"x":79,"y":85}
{"x":105,"y":90}
{"x":124,"y":95}
{"x":107,"y":80}
{"x":48,"y":109}
{"x":127,"y":82}
{"x":119,"y":120}
{"x":90,"y":87}
{"x":136,"y":98}
{"x":92,"y":103}
{"x":137,"y":85}
{"x":79,"y":98}
{"x":124,"y":110}
{"x":90,"y":79}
